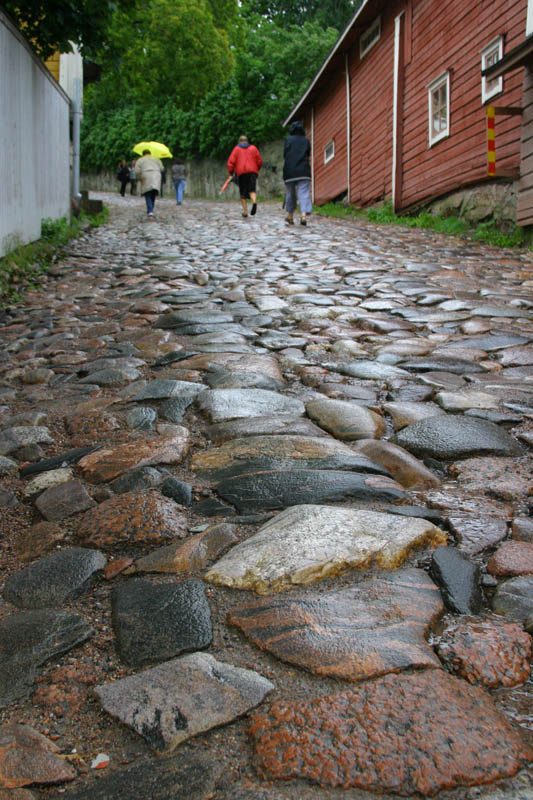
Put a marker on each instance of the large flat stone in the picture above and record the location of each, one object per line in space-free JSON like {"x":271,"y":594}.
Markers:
{"x":227,"y":404}
{"x":449,"y":437}
{"x":154,"y":622}
{"x":181,"y":698}
{"x":54,"y":580}
{"x":403,"y":734}
{"x":258,"y":453}
{"x":131,"y":520}
{"x":345,"y":420}
{"x":27,"y":757}
{"x":306,"y":543}
{"x":109,"y":462}
{"x":275,"y":425}
{"x":191,"y":778}
{"x":263,"y":491}
{"x":28,"y":640}
{"x":363,"y":631}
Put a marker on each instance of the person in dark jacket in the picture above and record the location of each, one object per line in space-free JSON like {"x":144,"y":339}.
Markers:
{"x":297,"y":173}
{"x":123,"y":175}
{"x":245,"y":162}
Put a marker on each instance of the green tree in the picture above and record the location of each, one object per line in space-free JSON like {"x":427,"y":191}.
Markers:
{"x":52,"y":24}
{"x":328,"y":13}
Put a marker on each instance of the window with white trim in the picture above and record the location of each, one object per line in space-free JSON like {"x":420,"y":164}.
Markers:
{"x":439,"y":108}
{"x":489,"y":56}
{"x":329,"y":151}
{"x":368,"y":39}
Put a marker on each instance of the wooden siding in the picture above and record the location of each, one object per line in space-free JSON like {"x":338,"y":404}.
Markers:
{"x":372,"y":95}
{"x":52,"y":65}
{"x":436,"y":36}
{"x":451,"y":38}
{"x":331,"y":179}
{"x":524,"y":214}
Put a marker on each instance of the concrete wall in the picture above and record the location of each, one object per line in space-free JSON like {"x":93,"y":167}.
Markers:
{"x":206,"y":177}
{"x":34,"y":136}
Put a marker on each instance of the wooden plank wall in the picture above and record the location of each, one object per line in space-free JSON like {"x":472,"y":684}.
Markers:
{"x":450,"y":36}
{"x":331,"y":179}
{"x":524,"y":214}
{"x":372,"y":95}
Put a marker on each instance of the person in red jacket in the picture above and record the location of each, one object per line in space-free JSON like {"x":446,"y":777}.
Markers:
{"x":245,"y":162}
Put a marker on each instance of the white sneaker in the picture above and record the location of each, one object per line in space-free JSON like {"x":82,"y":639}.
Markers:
{"x":150,"y":214}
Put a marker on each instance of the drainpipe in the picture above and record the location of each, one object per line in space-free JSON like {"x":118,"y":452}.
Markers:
{"x":76,"y":119}
{"x":395,"y":109}
{"x":529,"y":20}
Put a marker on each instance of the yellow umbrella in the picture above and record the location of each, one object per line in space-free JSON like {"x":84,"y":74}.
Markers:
{"x":157,"y":150}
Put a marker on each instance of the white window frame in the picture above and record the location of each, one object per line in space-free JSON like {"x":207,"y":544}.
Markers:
{"x":369,"y":37}
{"x":488,"y":90}
{"x":442,"y":80}
{"x":328,"y":157}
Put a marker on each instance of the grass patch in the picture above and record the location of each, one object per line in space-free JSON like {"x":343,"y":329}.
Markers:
{"x":22,"y":267}
{"x":488,"y":232}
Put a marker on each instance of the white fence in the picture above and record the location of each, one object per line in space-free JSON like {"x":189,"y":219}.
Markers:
{"x":34,"y":142}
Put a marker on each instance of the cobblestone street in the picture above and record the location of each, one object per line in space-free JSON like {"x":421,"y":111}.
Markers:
{"x":267,"y":513}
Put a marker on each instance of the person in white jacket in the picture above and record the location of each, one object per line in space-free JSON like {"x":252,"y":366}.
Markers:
{"x":149,"y":170}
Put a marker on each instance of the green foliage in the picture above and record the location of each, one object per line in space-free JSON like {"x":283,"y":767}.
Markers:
{"x":328,"y":13}
{"x":22,"y":267}
{"x":269,"y":75}
{"x":488,"y":232}
{"x":52,"y":24}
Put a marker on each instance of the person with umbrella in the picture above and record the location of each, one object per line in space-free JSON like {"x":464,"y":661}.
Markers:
{"x":148,"y":171}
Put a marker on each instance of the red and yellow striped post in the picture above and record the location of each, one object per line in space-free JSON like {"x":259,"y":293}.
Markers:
{"x":491,"y":140}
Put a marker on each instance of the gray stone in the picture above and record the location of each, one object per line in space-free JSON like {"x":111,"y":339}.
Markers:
{"x":142,"y":418}
{"x":459,"y":580}
{"x":174,"y":408}
{"x":227,"y":404}
{"x":46,"y":480}
{"x":474,"y":534}
{"x":492,"y":342}
{"x":55,"y":580}
{"x":181,"y":698}
{"x":112,"y":377}
{"x":30,"y":639}
{"x":178,"y":319}
{"x":514,"y":599}
{"x":12,"y":439}
{"x":263,"y":491}
{"x":306,"y":543}
{"x":229,"y":379}
{"x":448,"y":437}
{"x":372,"y":370}
{"x":178,"y":490}
{"x":162,"y":389}
{"x":154,"y":622}
{"x":64,"y":500}
{"x":7,"y":466}
{"x":137,"y":481}
{"x":462,"y":401}
{"x":453,"y":365}
{"x":405,"y":413}
{"x":279,"y":425}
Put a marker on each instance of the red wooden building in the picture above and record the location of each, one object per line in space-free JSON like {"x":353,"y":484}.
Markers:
{"x":399,"y":108}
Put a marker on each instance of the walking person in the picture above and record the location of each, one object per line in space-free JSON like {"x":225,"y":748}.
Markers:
{"x":133,"y":178}
{"x":149,"y":171}
{"x":297,"y":173}
{"x":179,"y":179}
{"x":245,"y":162}
{"x":123,"y":175}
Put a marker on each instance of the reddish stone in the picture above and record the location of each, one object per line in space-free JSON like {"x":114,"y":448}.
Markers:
{"x":512,"y":558}
{"x":398,"y":734}
{"x":114,"y":568}
{"x":132,"y":519}
{"x":16,"y":794}
{"x":91,"y":428}
{"x":27,"y":757}
{"x":369,"y":629}
{"x":38,"y":540}
{"x":109,"y":462}
{"x":191,"y":555}
{"x":487,"y":651}
{"x":65,"y":691}
{"x":475,"y":533}
{"x":522,"y":529}
{"x":64,"y":500}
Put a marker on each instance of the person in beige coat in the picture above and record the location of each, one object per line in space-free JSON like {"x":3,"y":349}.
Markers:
{"x":148,"y":170}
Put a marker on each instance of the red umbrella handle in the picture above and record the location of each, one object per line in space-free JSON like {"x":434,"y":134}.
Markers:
{"x":226,"y":184}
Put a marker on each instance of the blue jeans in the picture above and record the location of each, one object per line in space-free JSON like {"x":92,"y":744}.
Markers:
{"x":302,"y":191}
{"x":179,"y":186}
{"x":150,"y":200}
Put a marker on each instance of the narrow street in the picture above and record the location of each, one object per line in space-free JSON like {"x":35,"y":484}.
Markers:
{"x":267,"y":513}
